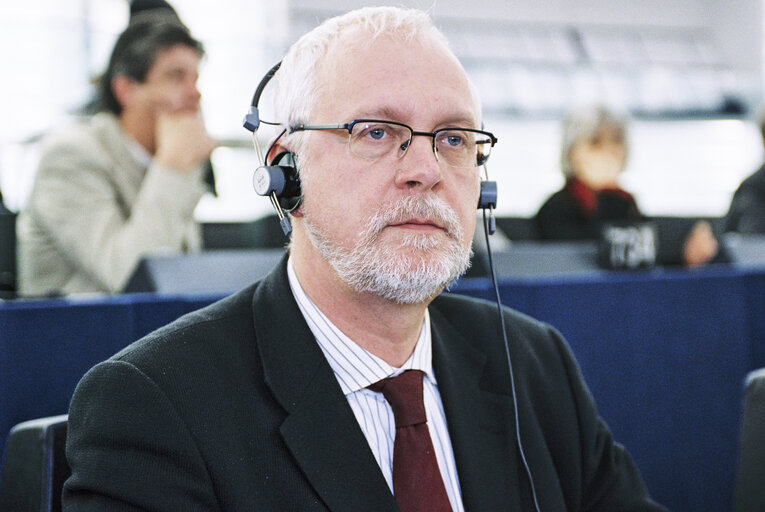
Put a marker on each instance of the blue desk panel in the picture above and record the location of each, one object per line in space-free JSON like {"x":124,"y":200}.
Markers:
{"x":47,"y":345}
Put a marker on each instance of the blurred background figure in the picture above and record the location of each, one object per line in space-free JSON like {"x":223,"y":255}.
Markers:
{"x":747,"y":208}
{"x":7,"y":256}
{"x":125,"y":182}
{"x":3,"y":209}
{"x":141,"y":7}
{"x":594,"y":153}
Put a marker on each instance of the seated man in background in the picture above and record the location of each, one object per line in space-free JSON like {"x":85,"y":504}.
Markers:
{"x":124,"y":183}
{"x":747,"y":208}
{"x":593,"y":155}
{"x":346,"y":380}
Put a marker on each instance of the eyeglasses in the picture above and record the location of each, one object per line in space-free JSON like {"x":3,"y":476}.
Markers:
{"x":373,"y":140}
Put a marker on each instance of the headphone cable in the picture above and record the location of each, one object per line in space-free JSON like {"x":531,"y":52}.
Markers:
{"x":509,"y":362}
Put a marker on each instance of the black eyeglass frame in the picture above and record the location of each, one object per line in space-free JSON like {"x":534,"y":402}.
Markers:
{"x":349,"y":127}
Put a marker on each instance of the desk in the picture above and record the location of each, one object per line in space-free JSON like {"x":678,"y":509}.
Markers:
{"x":664,"y":352}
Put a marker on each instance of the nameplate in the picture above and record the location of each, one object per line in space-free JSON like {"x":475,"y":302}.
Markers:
{"x":628,"y":246}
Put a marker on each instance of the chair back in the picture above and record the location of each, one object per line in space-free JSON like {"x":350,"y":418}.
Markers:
{"x":750,"y":480}
{"x":35,"y":466}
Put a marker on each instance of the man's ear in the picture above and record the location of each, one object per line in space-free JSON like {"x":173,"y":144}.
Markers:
{"x":123,"y":89}
{"x":276,"y":148}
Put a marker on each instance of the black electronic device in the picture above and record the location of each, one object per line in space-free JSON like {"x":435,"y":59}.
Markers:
{"x":279,"y":180}
{"x":7,"y":255}
{"x":190,"y":273}
{"x":628,"y":245}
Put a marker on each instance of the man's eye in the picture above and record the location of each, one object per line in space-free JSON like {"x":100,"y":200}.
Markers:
{"x":454,"y":140}
{"x":376,"y":133}
{"x":176,"y":75}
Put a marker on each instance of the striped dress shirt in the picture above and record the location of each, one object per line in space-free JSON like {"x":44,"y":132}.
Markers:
{"x":356,"y":368}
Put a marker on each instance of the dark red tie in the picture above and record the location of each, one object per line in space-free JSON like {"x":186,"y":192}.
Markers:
{"x":417,"y":483}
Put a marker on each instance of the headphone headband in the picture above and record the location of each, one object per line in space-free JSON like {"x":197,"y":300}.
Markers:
{"x":252,"y":118}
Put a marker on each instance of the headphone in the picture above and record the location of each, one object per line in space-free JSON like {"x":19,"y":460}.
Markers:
{"x":280,"y":180}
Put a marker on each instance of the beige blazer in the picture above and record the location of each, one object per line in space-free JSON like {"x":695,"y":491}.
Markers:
{"x":94,"y":212}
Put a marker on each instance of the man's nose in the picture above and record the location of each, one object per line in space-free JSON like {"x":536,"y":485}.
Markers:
{"x":418,"y":167}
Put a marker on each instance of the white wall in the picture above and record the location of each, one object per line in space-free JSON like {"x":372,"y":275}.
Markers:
{"x":738,"y":28}
{"x":675,"y":168}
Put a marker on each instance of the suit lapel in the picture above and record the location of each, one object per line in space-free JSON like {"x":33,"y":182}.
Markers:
{"x":481,"y":423}
{"x":320,"y":430}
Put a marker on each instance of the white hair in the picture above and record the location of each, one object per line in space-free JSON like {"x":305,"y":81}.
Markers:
{"x":295,"y":87}
{"x":585,"y":123}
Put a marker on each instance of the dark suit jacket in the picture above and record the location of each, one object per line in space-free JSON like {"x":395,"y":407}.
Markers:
{"x":235,"y":408}
{"x":563,"y":217}
{"x":747,"y":208}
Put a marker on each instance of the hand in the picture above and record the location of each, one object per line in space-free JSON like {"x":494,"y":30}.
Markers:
{"x":182,"y":140}
{"x":700,"y":245}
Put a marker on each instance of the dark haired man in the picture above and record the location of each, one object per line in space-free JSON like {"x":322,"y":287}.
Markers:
{"x":124,"y":183}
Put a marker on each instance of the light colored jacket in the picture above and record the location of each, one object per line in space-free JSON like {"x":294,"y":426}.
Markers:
{"x":94,"y":212}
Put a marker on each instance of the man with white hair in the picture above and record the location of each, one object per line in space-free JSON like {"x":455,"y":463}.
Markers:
{"x":346,"y":380}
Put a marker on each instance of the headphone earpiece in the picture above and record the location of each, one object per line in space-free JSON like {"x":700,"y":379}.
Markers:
{"x":280,"y":178}
{"x":487,"y":200}
{"x":488,"y":196}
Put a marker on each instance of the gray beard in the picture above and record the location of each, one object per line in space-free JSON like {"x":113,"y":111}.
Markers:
{"x":370,"y":267}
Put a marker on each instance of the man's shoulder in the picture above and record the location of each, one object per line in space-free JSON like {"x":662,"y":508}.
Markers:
{"x":213,"y":329}
{"x":79,"y":131}
{"x":84,"y":143}
{"x":458,"y":303}
{"x":558,"y":199}
{"x":477,"y":314}
{"x":559,"y":206}
{"x":539,"y":353}
{"x":756,"y":179}
{"x":754,"y":183}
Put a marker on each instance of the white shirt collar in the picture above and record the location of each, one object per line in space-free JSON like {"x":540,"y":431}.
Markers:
{"x":137,"y":151}
{"x":355,"y":367}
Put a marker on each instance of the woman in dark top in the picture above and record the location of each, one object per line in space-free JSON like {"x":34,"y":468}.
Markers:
{"x":577,"y":211}
{"x":747,"y":207}
{"x":593,"y":155}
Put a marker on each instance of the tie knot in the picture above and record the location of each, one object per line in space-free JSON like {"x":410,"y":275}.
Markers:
{"x":404,"y":394}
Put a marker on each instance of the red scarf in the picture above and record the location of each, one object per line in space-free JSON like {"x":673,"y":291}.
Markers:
{"x":587,"y":198}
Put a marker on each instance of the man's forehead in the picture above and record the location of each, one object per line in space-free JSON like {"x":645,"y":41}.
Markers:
{"x":405,"y":111}
{"x":175,"y":54}
{"x":386,"y":78}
